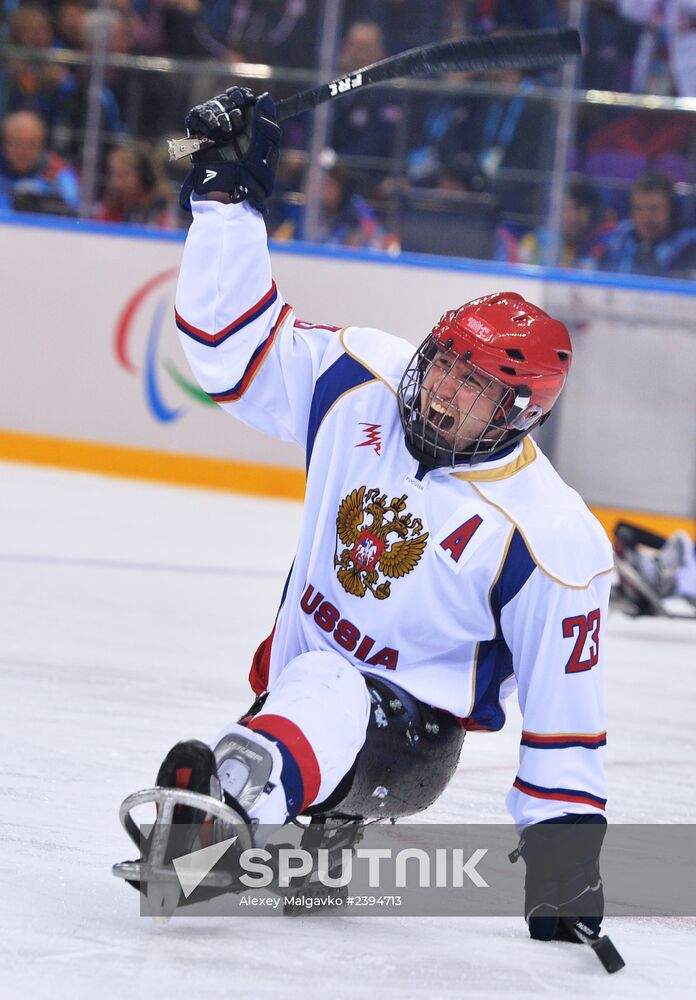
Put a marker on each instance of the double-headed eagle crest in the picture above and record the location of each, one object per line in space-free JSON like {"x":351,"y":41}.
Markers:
{"x":369,"y":553}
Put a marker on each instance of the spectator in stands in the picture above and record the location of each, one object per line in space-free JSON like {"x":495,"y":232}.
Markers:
{"x":365,"y":122}
{"x":33,"y":178}
{"x":505,"y":133}
{"x":346,"y":218}
{"x":30,"y":26}
{"x":26,"y":79}
{"x":58,"y":94}
{"x":70,"y":24}
{"x":136,"y":190}
{"x":586,"y":229}
{"x":652,"y":241}
{"x":145,"y":102}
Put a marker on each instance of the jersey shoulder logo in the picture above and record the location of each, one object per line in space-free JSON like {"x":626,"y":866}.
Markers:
{"x":373,"y":437}
{"x":209,"y":174}
{"x":366,"y":551}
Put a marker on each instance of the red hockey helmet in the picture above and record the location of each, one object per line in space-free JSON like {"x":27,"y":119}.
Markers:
{"x":487,"y":374}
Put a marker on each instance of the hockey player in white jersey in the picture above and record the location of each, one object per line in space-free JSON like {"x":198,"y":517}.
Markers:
{"x":442,"y":561}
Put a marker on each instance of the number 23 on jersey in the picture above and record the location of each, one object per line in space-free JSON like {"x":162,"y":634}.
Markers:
{"x":585,"y":630}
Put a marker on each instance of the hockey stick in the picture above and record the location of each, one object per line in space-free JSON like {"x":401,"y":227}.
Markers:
{"x":603,"y":947}
{"x":522,"y":50}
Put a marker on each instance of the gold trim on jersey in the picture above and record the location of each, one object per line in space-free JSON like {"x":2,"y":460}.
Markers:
{"x":563,"y":583}
{"x":360,"y":361}
{"x":525,"y":458}
{"x":490,"y":607}
{"x":354,"y":388}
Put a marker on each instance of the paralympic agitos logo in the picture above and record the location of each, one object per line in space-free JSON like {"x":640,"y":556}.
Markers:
{"x":140,"y":350}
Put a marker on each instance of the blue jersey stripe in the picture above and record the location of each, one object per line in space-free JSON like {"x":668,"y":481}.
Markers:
{"x":345,"y":373}
{"x":257,"y":359}
{"x":215,"y":339}
{"x":493,"y":665}
{"x":563,"y":744}
{"x":578,"y":795}
{"x":494,"y":660}
{"x":517,"y":569}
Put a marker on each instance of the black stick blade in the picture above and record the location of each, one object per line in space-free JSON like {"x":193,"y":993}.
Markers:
{"x":606,"y":952}
{"x":603,"y":947}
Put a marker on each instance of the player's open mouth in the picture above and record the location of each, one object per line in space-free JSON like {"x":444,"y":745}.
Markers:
{"x":439,"y":416}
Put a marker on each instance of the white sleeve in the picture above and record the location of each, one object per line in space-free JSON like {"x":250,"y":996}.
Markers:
{"x":242,"y":342}
{"x":555,"y":633}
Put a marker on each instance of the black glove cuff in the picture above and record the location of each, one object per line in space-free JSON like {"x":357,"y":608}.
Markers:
{"x":219,"y":176}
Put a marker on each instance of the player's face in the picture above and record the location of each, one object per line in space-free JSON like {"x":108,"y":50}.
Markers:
{"x":460,"y":403}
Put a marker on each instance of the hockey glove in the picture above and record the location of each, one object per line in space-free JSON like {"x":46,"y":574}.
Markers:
{"x":563,"y":885}
{"x":243,"y":162}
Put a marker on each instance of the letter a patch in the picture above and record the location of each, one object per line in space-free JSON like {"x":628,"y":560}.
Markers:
{"x":457,"y":540}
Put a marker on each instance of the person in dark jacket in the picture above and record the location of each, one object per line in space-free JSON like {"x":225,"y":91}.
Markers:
{"x":652,"y":241}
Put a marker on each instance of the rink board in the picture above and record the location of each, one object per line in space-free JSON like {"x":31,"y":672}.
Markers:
{"x":94,"y":376}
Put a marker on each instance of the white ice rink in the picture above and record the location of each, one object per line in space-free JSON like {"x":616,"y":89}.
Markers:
{"x":128,"y":616}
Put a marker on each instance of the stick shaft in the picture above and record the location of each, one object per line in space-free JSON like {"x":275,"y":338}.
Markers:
{"x":522,"y":50}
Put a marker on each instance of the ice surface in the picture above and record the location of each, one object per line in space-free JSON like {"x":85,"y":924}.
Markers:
{"x":128,"y":615}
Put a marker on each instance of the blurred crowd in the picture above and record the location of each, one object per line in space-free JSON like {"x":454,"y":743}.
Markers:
{"x":462,"y":169}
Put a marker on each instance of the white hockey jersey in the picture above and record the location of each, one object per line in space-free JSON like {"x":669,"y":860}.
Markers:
{"x":461,"y":583}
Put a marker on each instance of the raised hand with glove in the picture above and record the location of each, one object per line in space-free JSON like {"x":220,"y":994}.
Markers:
{"x":243,"y":161}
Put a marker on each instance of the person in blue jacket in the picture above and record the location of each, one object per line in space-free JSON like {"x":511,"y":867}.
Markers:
{"x":651,"y":240}
{"x":32,"y":176}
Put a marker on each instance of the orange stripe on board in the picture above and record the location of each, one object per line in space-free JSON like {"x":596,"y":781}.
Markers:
{"x":661,"y":524}
{"x":140,"y":463}
{"x":230,"y":474}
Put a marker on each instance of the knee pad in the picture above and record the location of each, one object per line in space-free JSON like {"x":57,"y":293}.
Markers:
{"x":324,"y":700}
{"x":410,"y":753}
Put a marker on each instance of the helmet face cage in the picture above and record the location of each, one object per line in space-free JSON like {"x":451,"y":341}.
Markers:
{"x":454,"y":412}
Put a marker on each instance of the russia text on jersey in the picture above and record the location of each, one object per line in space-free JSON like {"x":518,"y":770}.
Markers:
{"x":346,"y":635}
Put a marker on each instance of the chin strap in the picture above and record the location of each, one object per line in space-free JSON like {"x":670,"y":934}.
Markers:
{"x":521,"y":415}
